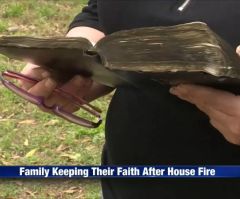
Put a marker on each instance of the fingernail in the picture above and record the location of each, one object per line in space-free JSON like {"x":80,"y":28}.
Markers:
{"x":50,"y":83}
{"x":173,"y":90}
{"x":179,"y":89}
{"x":78,"y":80}
{"x":45,"y":74}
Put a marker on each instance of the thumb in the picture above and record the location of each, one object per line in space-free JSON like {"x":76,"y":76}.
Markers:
{"x":78,"y":85}
{"x":238,"y":50}
{"x":43,"y":88}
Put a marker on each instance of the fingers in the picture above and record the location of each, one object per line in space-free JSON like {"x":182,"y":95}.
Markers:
{"x":223,"y":108}
{"x":208,"y":97}
{"x":43,"y":88}
{"x":35,"y":72}
{"x":27,"y":70}
{"x":77,"y":86}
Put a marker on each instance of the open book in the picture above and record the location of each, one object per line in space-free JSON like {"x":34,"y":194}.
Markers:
{"x":186,"y":53}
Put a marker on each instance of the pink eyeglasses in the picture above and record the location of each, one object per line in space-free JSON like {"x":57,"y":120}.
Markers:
{"x":55,"y":109}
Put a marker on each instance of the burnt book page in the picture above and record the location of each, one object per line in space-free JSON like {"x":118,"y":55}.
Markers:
{"x":62,"y":57}
{"x":186,"y":53}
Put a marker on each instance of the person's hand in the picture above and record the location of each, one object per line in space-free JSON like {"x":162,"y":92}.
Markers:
{"x":223,"y":108}
{"x":78,"y":85}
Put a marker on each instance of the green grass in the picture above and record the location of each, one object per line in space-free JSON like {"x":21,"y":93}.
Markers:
{"x":3,"y":26}
{"x":13,"y":10}
{"x":31,"y":137}
{"x":46,"y":11}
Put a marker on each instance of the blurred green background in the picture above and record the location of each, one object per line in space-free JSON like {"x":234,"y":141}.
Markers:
{"x":31,"y":137}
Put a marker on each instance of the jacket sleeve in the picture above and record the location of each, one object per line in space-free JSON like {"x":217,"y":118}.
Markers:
{"x":88,"y":17}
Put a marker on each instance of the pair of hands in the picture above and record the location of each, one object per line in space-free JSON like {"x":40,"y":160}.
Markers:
{"x":223,"y":108}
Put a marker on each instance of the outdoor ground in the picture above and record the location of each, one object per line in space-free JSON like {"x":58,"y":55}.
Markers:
{"x":31,"y":137}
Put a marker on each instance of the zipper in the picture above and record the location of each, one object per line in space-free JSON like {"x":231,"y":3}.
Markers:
{"x":183,"y":5}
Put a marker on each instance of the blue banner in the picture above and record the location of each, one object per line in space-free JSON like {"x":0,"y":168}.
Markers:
{"x":120,"y":171}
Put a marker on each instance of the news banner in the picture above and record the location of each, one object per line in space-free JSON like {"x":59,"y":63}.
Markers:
{"x":120,"y":171}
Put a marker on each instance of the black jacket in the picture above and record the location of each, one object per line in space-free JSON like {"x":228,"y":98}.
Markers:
{"x":151,"y":126}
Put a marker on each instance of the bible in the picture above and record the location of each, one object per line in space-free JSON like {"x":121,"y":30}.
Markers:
{"x":185,"y":53}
